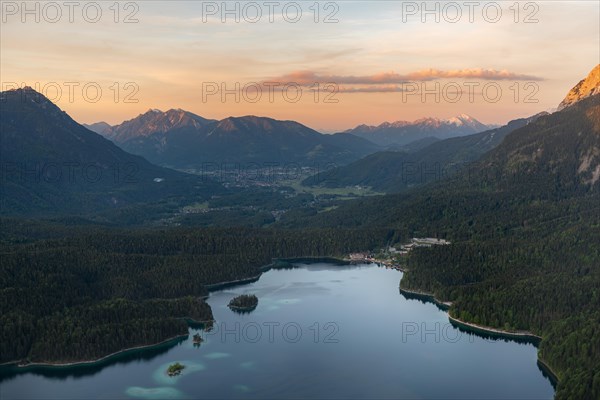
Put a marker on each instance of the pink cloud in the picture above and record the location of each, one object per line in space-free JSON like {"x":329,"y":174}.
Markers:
{"x":307,"y":78}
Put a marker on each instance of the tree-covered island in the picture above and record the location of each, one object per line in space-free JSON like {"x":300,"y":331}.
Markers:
{"x":175,"y":369}
{"x":244,"y":302}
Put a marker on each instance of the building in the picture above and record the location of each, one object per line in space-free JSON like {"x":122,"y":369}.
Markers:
{"x":358,"y":256}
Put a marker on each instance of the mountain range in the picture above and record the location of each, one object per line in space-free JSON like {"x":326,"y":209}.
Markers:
{"x":52,"y":164}
{"x":401,"y":133}
{"x":394,"y":171}
{"x":181,"y":139}
{"x":548,"y":157}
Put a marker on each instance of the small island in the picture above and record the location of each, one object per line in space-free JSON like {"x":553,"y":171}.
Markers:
{"x":197,"y":339}
{"x":175,"y":369}
{"x":244,"y":303}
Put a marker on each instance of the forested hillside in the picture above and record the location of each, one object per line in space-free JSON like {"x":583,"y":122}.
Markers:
{"x":547,"y":283}
{"x":397,"y":171}
{"x":82,"y":292}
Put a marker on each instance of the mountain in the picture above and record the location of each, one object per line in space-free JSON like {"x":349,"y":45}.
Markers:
{"x":585,"y":88}
{"x":403,"y":132}
{"x":101,"y":128}
{"x":181,"y":139}
{"x":392,"y":172}
{"x":414,"y":146}
{"x":557,"y":153}
{"x":157,"y":122}
{"x":51,"y":164}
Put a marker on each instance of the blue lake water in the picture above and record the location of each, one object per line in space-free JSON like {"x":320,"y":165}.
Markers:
{"x":319,"y":331}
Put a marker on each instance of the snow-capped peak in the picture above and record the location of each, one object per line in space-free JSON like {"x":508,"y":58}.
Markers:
{"x":455,"y":120}
{"x":463,"y":119}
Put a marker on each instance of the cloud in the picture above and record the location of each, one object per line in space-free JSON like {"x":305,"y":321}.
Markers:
{"x":385,"y":79}
{"x":411,"y":88}
{"x":372,"y":89}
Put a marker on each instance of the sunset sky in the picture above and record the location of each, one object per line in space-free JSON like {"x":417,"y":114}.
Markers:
{"x":377,"y":54}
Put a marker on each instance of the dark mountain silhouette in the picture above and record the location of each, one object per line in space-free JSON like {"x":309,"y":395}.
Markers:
{"x":51,"y":164}
{"x":181,"y":139}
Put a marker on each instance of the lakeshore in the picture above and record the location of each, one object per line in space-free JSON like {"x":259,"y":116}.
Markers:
{"x":276,"y":263}
{"x":445,"y":306}
{"x":524,"y":335}
{"x":548,"y":371}
{"x":226,"y":284}
{"x":485,"y":330}
{"x":468,"y":326}
{"x":105,"y":359}
{"x":211,"y":288}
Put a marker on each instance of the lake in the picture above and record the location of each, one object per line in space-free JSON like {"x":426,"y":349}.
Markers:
{"x":320,"y":331}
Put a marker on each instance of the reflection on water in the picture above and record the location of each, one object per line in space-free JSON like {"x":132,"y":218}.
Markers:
{"x":91,"y":369}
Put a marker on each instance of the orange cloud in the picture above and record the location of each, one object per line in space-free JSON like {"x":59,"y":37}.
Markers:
{"x":307,"y":78}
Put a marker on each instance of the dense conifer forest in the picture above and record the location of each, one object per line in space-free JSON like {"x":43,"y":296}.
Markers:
{"x":81,"y":292}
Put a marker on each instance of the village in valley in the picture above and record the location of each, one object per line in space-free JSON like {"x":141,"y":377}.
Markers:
{"x":392,"y":257}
